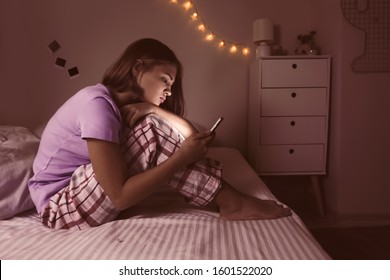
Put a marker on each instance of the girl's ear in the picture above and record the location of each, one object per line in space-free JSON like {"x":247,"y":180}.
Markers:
{"x":137,"y":68}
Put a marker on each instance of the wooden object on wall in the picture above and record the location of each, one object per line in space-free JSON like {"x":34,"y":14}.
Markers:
{"x":373,"y":17}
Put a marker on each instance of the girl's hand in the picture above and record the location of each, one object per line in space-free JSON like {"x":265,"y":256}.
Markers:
{"x":195,"y":147}
{"x":132,"y":113}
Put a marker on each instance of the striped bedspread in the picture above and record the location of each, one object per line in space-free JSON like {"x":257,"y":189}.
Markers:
{"x":165,"y":227}
{"x":183,"y":236}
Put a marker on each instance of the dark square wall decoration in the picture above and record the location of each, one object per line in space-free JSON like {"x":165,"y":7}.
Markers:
{"x":73,"y":72}
{"x":54,"y":46}
{"x":60,"y":62}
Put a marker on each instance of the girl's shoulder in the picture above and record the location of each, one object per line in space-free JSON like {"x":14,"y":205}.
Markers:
{"x":92,"y":92}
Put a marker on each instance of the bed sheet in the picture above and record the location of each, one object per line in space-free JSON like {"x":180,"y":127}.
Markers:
{"x":165,"y":227}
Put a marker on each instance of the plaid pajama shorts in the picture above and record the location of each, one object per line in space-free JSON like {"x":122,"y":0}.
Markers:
{"x":84,"y":204}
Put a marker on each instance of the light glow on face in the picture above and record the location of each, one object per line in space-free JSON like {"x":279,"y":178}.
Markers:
{"x":157,"y":83}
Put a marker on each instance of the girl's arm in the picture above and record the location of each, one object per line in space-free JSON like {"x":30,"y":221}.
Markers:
{"x":133,"y":112}
{"x":111,"y":171}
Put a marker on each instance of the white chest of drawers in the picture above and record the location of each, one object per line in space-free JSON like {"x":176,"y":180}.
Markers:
{"x":289,"y":115}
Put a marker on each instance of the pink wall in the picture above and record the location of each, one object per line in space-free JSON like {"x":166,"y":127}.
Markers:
{"x":94,"y":32}
{"x":365,"y":136}
{"x":357,"y":187}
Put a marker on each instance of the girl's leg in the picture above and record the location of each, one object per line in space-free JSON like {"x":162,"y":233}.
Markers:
{"x":82,"y":204}
{"x":153,"y":141}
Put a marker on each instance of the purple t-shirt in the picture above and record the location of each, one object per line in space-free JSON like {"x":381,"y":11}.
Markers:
{"x":90,"y":113}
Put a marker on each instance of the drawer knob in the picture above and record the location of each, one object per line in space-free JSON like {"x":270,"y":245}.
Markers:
{"x":291,"y":151}
{"x":293,"y":95}
{"x":294,"y":66}
{"x":292,"y":123}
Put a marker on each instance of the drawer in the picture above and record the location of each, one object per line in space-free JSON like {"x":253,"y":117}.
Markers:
{"x":293,"y":130}
{"x":294,"y":73}
{"x":297,"y":101}
{"x":291,"y":158}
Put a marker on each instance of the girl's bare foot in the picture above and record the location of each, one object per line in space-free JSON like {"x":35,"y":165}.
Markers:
{"x":234,"y":205}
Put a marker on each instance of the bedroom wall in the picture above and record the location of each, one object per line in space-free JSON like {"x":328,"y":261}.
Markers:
{"x":357,"y":188}
{"x":92,"y":33}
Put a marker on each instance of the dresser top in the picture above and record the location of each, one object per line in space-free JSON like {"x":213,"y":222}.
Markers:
{"x":295,"y":57}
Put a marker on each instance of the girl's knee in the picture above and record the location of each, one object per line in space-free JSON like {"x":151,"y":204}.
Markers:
{"x":159,"y":126}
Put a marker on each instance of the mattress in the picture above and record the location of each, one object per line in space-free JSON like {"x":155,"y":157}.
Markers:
{"x":165,"y":227}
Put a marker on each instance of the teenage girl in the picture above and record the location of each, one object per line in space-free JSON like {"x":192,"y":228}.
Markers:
{"x":113,"y":144}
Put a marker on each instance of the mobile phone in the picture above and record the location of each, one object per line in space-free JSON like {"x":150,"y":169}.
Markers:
{"x":217,"y":123}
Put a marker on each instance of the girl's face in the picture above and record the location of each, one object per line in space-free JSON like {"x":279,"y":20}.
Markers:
{"x":157,"y":83}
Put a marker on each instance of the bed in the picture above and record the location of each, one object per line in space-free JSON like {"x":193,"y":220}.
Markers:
{"x":161,"y":227}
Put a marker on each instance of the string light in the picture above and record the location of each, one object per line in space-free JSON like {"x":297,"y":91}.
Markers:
{"x":194,"y":16}
{"x":202,"y":27}
{"x":210,"y":37}
{"x":187,"y":5}
{"x":233,"y":47}
{"x":245,"y":51}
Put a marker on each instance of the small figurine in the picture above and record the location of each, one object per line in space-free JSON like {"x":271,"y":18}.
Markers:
{"x":307,"y":44}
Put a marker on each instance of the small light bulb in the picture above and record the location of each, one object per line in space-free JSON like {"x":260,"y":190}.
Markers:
{"x":201,"y":27}
{"x":245,"y":51}
{"x":233,"y":49}
{"x":187,"y":5}
{"x":210,"y":37}
{"x":221,"y":44}
{"x":174,"y":1}
{"x":194,"y":16}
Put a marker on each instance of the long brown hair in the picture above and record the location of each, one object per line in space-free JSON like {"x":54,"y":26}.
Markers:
{"x":119,"y":77}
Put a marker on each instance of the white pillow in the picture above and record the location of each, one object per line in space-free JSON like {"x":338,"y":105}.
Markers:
{"x":18,"y":147}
